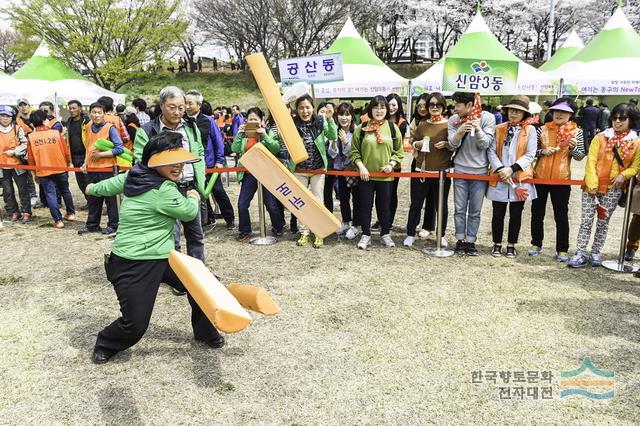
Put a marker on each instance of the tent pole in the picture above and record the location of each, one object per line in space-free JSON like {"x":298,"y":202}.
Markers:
{"x":409,"y":101}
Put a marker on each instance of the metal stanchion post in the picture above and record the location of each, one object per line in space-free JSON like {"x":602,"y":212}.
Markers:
{"x":263,"y":239}
{"x":619,"y":265}
{"x":439,"y":251}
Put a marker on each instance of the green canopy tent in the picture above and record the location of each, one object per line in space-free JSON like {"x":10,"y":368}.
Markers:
{"x":365,"y":75}
{"x":608,"y":64}
{"x":570,"y":48}
{"x":479,"y":43}
{"x":53,"y":80}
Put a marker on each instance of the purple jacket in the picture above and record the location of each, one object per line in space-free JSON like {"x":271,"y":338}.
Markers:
{"x":212,"y":140}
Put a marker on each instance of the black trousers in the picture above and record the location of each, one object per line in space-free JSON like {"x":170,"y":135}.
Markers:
{"x":8,"y":192}
{"x":427,"y":190}
{"x":381,"y":190}
{"x":515,"y":221}
{"x":81,"y":178}
{"x":329,"y":188}
{"x":560,"y":195}
{"x":95,"y":204}
{"x":136,"y":284}
{"x":393,"y":203}
{"x":221,"y":197}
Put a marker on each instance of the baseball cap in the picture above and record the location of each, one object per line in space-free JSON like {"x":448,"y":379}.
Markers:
{"x":6,"y":110}
{"x":172,"y":157}
{"x":22,"y":101}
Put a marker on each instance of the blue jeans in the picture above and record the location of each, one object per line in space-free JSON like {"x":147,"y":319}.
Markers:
{"x":468,"y":196}
{"x":59,"y":181}
{"x":247,"y":191}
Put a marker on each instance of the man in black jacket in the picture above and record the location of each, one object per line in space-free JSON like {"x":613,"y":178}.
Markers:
{"x":589,"y":122}
{"x":75,"y":123}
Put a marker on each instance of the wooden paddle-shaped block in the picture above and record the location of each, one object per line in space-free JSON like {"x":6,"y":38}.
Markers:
{"x":274,"y":176}
{"x":255,"y":299}
{"x":220,"y":307}
{"x":271,"y":94}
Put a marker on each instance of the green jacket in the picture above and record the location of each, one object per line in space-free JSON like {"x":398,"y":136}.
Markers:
{"x":239,"y":146}
{"x":375,"y":155}
{"x":329,"y":132}
{"x":152,"y":128}
{"x":146,"y":224}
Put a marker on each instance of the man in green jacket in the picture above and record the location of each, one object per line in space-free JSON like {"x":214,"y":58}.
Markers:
{"x":172,"y":119}
{"x":139,"y":258}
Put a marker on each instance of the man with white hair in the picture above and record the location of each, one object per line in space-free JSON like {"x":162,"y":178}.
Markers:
{"x":173,"y":119}
{"x":213,"y":145}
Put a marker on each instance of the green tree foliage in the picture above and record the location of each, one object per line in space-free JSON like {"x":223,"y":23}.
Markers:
{"x":112,"y":41}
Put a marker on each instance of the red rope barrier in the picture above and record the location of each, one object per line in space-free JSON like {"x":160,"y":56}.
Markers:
{"x":420,"y":175}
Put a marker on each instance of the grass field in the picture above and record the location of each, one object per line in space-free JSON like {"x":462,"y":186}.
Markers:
{"x":386,"y":336}
{"x":221,"y":88}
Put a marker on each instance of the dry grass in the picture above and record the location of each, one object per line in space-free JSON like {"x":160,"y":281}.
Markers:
{"x":376,"y":337}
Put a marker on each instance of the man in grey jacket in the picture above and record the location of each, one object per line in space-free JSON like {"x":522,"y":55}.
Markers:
{"x":470,"y":140}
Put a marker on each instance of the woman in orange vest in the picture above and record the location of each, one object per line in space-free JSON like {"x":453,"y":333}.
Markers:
{"x":559,"y":142}
{"x":613,"y":159}
{"x":13,"y":145}
{"x":511,"y":158}
{"x":47,"y":148}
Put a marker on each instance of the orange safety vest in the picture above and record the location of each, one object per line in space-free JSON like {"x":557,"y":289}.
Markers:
{"x":23,"y":125}
{"x":92,"y":138}
{"x":117,"y":124}
{"x":558,"y":165}
{"x":523,"y":140}
{"x":47,"y":149}
{"x":9,"y":141}
{"x":606,"y":158}
{"x":51,"y":122}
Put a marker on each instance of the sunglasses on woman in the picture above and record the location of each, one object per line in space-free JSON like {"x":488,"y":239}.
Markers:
{"x":620,"y":118}
{"x":435,"y":105}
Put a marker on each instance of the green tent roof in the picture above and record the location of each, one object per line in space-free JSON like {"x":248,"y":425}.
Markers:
{"x":354,"y":49}
{"x":570,"y":48}
{"x":43,"y":66}
{"x":617,"y":39}
{"x":479,"y":39}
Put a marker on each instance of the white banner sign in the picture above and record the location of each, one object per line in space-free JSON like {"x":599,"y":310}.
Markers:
{"x":311,"y":69}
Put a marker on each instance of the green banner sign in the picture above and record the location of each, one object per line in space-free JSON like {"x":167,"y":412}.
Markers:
{"x":489,"y":77}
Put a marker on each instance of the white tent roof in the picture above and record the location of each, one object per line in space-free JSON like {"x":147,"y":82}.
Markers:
{"x":478,"y":38}
{"x":365,"y":75}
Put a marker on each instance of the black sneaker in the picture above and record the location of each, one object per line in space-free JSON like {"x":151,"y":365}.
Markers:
{"x":460,"y":247}
{"x":108,"y":230}
{"x":470,"y":249}
{"x":86,"y":230}
{"x":497,"y":250}
{"x":231,"y":226}
{"x":511,"y":251}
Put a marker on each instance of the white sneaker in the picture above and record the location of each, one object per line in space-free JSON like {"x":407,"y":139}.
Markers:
{"x":408,"y":241}
{"x":352,"y":233}
{"x":444,"y":243}
{"x":364,"y":242}
{"x":387,"y":241}
{"x":344,"y":228}
{"x":424,"y":234}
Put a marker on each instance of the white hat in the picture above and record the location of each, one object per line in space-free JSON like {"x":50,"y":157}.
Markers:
{"x":296,"y":91}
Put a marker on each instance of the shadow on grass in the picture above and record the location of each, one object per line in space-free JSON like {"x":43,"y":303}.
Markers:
{"x":118,"y":406}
